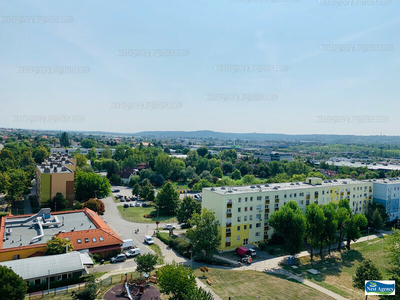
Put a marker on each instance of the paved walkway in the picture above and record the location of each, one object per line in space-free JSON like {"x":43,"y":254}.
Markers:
{"x":203,"y":286}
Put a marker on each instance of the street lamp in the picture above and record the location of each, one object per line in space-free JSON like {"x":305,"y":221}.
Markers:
{"x":147,"y":228}
{"x":48,"y":283}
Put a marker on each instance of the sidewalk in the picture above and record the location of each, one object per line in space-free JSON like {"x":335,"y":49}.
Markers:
{"x":206,"y":288}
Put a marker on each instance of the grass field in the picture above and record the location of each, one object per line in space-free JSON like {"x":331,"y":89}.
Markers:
{"x":246,"y":285}
{"x":135,"y":214}
{"x":158,"y":252}
{"x":337,"y":271}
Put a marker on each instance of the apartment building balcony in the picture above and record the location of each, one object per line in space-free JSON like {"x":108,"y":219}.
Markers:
{"x":266,"y":201}
{"x":229,"y":205}
{"x":348,"y":193}
{"x":316,"y":197}
{"x":228,"y":244}
{"x":276,"y":209}
{"x":308,"y":197}
{"x":266,"y":228}
{"x":228,"y":234}
{"x":308,"y":202}
{"x":277,"y":200}
{"x":370,"y":190}
{"x":229,"y":215}
{"x":228,"y":224}
{"x":370,"y":197}
{"x":316,"y":201}
{"x":341,"y":193}
{"x":267,"y":210}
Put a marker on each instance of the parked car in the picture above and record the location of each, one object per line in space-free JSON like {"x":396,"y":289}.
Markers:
{"x":122,"y":200}
{"x":242,"y":251}
{"x":128,"y":199}
{"x":169,"y":226}
{"x":144,"y":204}
{"x":132,"y":205}
{"x":137,"y":204}
{"x":115,"y":190}
{"x":133,"y":252}
{"x":126,"y":205}
{"x":148,"y":240}
{"x":118,"y":258}
{"x":185,"y":226}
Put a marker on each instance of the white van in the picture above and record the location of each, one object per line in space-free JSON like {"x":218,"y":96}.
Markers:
{"x":128,"y":244}
{"x":133,"y":252}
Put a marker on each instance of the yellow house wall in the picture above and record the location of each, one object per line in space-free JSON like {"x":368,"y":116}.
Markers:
{"x":23,"y":253}
{"x":59,"y":183}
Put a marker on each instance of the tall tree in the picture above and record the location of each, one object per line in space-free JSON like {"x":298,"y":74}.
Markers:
{"x":227,"y":167}
{"x":4,"y":182}
{"x":290,"y":223}
{"x":39,"y":154}
{"x":81,"y":160}
{"x":217,"y":172}
{"x":377,"y":222}
{"x":236,"y":175}
{"x":353,"y":228}
{"x":88,"y":143}
{"x":330,"y":226}
{"x":168,"y":199}
{"x":146,"y":263}
{"x":176,"y":280}
{"x":163,"y":165}
{"x":204,"y":236}
{"x":58,"y":202}
{"x":111,"y":166}
{"x":91,"y":185}
{"x":64,"y":140}
{"x":186,"y":209}
{"x":315,"y":221}
{"x":58,"y":246}
{"x":12,"y":285}
{"x":202,"y":151}
{"x":342,"y":218}
{"x":177,"y":166}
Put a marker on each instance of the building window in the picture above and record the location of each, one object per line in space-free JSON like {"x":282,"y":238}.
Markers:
{"x":294,"y":195}
{"x":43,"y":280}
{"x":228,"y":230}
{"x":301,"y":202}
{"x":238,"y":238}
{"x":251,"y":199}
{"x":239,"y":209}
{"x":16,"y":256}
{"x":259,"y":198}
{"x":266,"y":197}
{"x":251,"y":208}
{"x":101,"y":239}
{"x":266,"y":206}
{"x":250,"y":226}
{"x":86,"y":240}
{"x":239,"y":200}
{"x":284,"y":196}
{"x":245,"y":209}
{"x":238,"y":228}
{"x":37,"y":281}
{"x":245,"y":227}
{"x":302,"y":194}
{"x":276,"y":197}
{"x":94,"y":240}
{"x":258,"y":216}
{"x":245,"y":199}
{"x":245,"y":241}
{"x":258,"y":225}
{"x":69,"y":275}
{"x":250,"y":217}
{"x":245,"y":218}
{"x":79,"y":241}
{"x":59,"y":277}
{"x":258,"y":233}
{"x":238,"y":219}
{"x":290,"y":196}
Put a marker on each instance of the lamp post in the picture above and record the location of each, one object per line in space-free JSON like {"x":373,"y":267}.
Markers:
{"x":48,"y":283}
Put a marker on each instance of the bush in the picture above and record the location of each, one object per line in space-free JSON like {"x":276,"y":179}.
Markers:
{"x":96,"y":257}
{"x":180,"y":245}
{"x":262,"y":245}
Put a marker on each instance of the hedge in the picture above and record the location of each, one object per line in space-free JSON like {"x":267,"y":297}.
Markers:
{"x":179,"y":244}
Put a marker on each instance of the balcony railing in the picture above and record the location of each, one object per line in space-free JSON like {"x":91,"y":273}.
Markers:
{"x":267,"y":210}
{"x":266,"y":227}
{"x":276,"y":209}
{"x":308,"y":202}
{"x":348,"y":193}
{"x":228,"y":224}
{"x":308,"y":197}
{"x":229,"y":215}
{"x":228,"y":234}
{"x":266,"y":201}
{"x":370,"y":190}
{"x":229,"y":205}
{"x":277,"y":200}
{"x":228,"y":244}
{"x":341,"y":193}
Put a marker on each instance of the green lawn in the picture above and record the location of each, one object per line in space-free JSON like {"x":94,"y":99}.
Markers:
{"x":135,"y":214}
{"x":337,"y":271}
{"x":246,"y":285}
{"x":158,"y":252}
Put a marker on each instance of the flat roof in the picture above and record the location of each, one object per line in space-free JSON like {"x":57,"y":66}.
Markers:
{"x":55,"y":169}
{"x":270,"y":187}
{"x":22,"y":233}
{"x":37,"y":267}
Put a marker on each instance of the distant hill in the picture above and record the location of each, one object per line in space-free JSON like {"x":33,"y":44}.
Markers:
{"x":320,"y":138}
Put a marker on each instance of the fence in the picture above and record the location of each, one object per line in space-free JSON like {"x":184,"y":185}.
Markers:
{"x":56,"y":291}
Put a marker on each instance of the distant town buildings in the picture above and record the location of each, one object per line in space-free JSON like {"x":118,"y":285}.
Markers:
{"x":56,"y":175}
{"x":273,"y":156}
{"x":83,"y":151}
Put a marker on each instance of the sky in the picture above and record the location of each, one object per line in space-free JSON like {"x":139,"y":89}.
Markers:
{"x":265,"y":66}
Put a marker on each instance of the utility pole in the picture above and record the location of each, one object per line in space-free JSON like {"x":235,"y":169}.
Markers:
{"x":48,"y":285}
